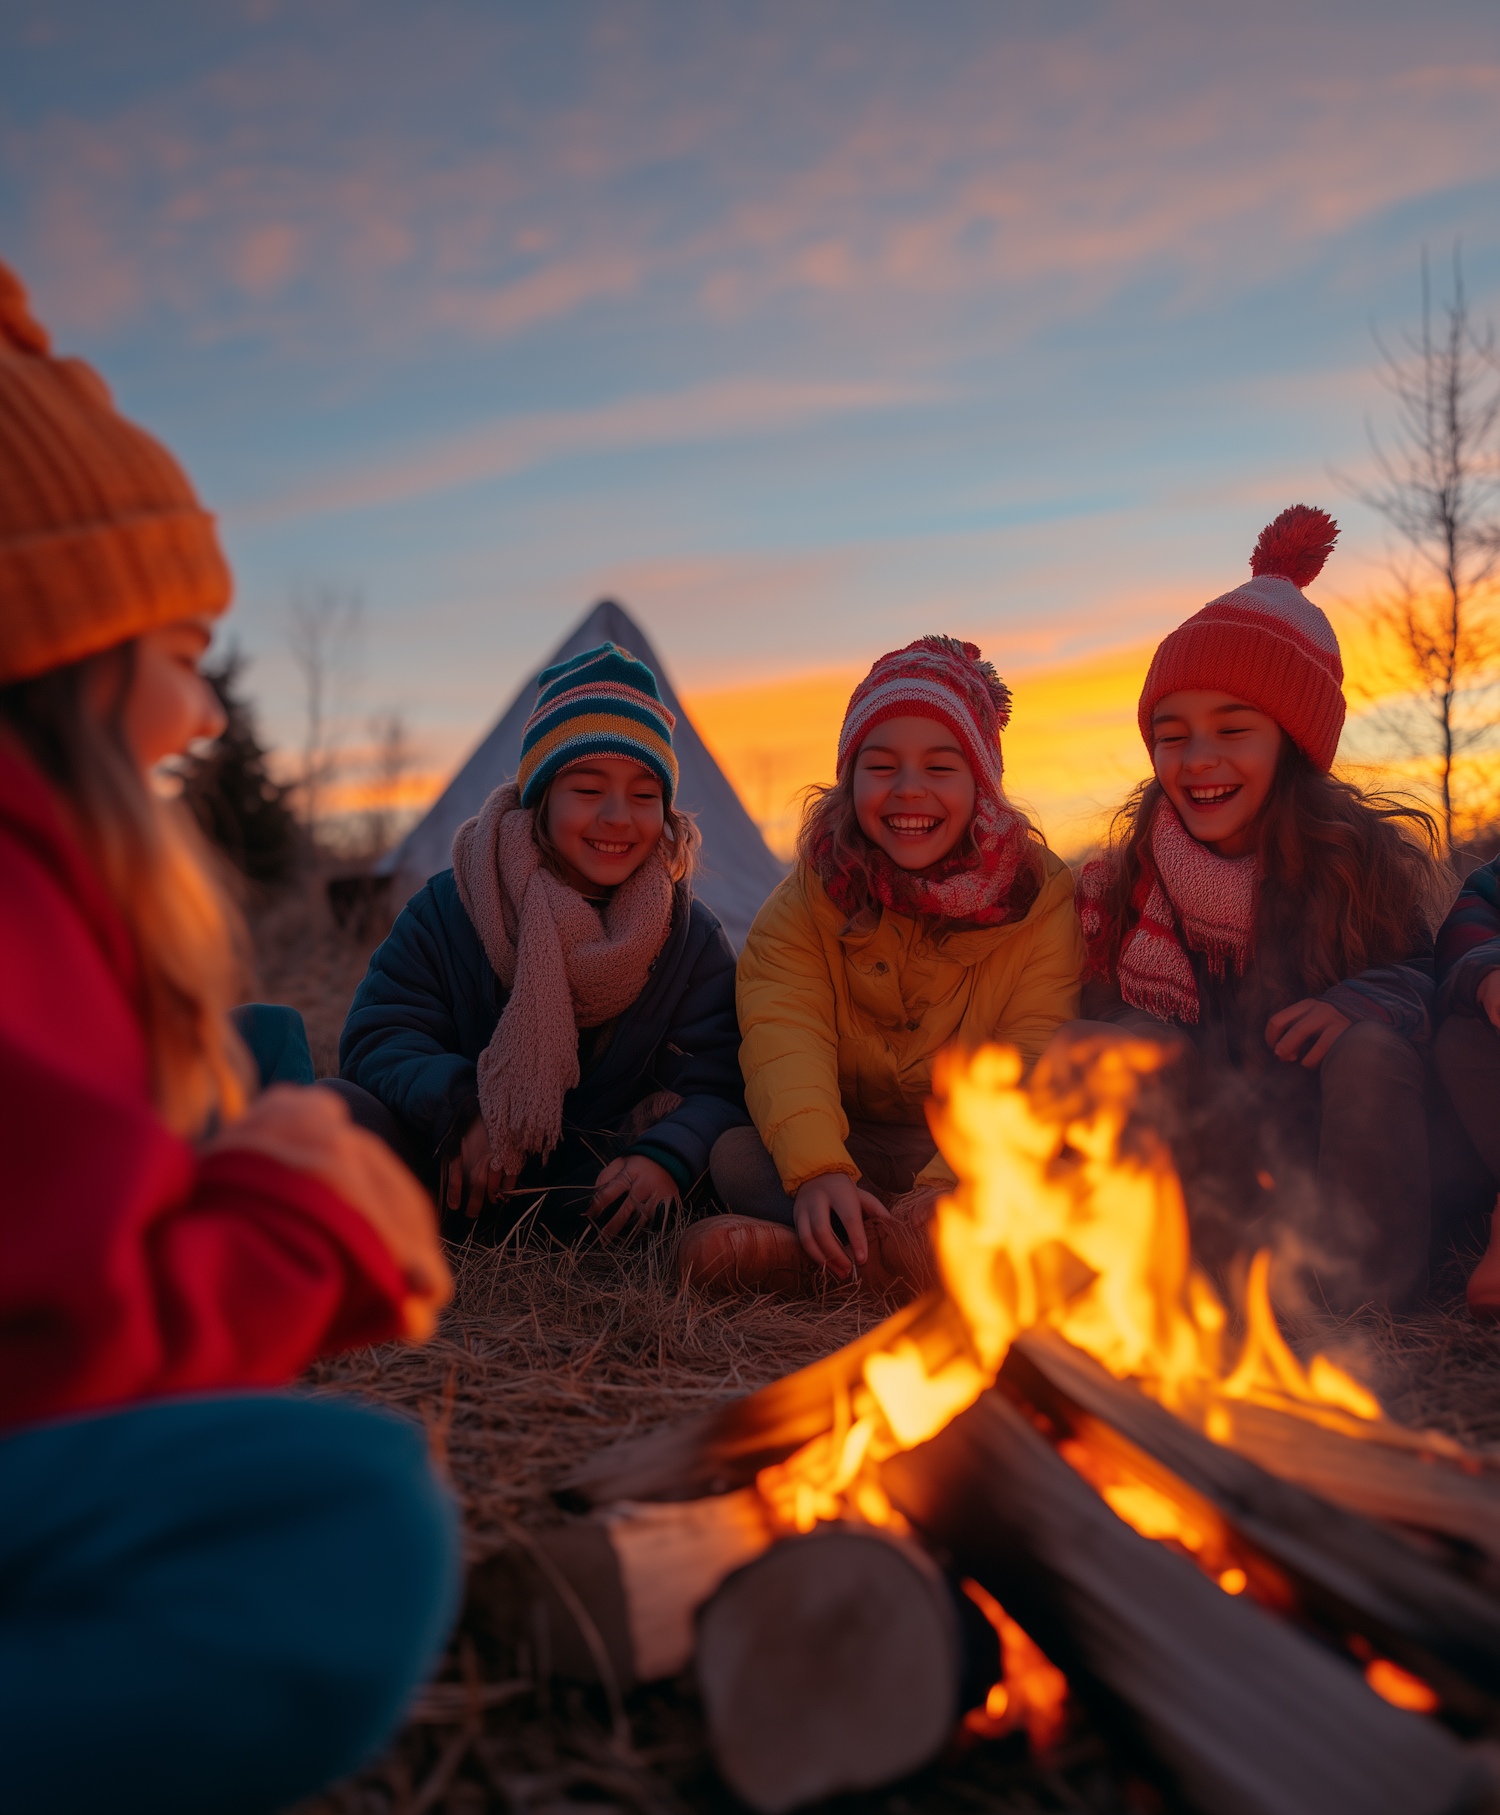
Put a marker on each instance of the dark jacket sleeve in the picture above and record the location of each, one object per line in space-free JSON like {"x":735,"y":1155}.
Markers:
{"x":1468,"y":943}
{"x":1102,"y":1001}
{"x":1398,"y":995}
{"x":698,"y":1060}
{"x":402,"y":1040}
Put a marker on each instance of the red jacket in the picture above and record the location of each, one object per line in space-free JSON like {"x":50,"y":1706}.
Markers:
{"x":129,"y":1267}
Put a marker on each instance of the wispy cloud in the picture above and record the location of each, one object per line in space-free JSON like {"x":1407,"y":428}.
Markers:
{"x":725,"y":410}
{"x":1114,"y":258}
{"x":711,"y":173}
{"x":554,"y":290}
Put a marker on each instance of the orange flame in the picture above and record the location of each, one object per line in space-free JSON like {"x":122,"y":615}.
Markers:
{"x":1032,"y":1691}
{"x":1057,"y":1221}
{"x":1399,"y":1687}
{"x":1060,"y":1221}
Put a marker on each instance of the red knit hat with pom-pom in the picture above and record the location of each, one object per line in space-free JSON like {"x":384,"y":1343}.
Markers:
{"x":1265,"y":642}
{"x":101,"y":535}
{"x":940,"y":678}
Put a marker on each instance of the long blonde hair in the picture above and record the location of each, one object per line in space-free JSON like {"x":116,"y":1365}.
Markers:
{"x":189,"y":936}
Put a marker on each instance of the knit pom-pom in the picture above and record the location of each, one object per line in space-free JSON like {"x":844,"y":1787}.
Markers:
{"x":968,"y":653}
{"x":19,"y":328}
{"x":1296,"y":545}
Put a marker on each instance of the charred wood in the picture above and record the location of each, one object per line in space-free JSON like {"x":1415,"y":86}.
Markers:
{"x":1337,"y":1569}
{"x":1248,"y":1715}
{"x":727,"y":1448}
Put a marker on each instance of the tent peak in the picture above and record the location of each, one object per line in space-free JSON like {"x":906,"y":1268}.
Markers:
{"x":738,"y":869}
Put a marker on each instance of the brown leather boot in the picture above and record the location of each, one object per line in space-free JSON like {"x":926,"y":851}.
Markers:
{"x":1484,"y":1282}
{"x":727,"y":1255}
{"x":902,"y":1264}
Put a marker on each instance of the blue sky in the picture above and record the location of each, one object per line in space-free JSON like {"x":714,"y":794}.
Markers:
{"x":802,"y":328}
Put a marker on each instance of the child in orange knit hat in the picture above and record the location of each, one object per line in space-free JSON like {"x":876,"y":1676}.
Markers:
{"x":1279,"y":921}
{"x":229,"y":1591}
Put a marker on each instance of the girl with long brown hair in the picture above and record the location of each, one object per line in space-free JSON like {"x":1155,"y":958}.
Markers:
{"x":231,"y":1591}
{"x":1278,"y":921}
{"x":924,"y":912}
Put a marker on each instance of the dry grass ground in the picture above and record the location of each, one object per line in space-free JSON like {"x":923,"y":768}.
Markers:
{"x":545,"y":1357}
{"x":304,"y":959}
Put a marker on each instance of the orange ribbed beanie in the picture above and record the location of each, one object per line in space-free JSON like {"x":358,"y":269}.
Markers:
{"x":101,"y":535}
{"x":1265,"y":642}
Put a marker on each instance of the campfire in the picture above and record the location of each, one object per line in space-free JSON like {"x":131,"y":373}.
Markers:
{"x":1276,"y":1598}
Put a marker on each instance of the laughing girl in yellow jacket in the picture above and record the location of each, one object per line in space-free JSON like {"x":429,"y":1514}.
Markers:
{"x":923,"y":912}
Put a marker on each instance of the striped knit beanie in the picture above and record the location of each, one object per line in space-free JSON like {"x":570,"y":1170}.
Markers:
{"x":941,"y":678}
{"x":601,"y":703}
{"x":1265,"y":642}
{"x":101,"y":535}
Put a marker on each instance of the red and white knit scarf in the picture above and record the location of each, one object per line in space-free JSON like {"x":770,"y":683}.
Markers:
{"x":1215,"y":900}
{"x":984,"y":881}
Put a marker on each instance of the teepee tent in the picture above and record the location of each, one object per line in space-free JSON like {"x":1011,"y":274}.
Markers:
{"x":738,"y":870}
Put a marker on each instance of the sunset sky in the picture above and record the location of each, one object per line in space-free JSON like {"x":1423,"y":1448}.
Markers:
{"x":801,"y":327}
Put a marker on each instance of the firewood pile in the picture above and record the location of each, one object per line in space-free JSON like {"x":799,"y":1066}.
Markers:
{"x":1068,"y":1473}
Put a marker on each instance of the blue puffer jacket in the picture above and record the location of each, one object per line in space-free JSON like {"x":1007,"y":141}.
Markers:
{"x":430,"y":1002}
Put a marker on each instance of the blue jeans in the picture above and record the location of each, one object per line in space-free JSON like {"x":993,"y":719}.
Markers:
{"x":213,"y":1603}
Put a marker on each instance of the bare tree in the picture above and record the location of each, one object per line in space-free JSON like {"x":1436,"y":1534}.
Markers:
{"x":324,"y":632}
{"x":394,"y":756}
{"x":1439,"y":489}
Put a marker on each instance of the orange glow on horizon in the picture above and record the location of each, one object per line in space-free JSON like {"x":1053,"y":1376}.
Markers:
{"x":1073,"y":751}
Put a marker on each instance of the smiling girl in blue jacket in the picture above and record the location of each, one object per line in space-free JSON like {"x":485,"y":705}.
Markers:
{"x":550,"y":1026}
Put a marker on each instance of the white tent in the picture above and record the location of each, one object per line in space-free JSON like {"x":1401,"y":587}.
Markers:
{"x":738,"y":870}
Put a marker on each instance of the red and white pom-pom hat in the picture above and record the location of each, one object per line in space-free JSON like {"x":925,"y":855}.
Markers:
{"x":1265,"y":642}
{"x":937,"y":677}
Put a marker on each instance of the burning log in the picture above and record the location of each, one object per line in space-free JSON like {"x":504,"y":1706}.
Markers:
{"x":1333,"y":1569}
{"x":826,"y":1663}
{"x":719,"y":1451}
{"x":831,"y":1663}
{"x":1249,"y":1716}
{"x":1070,"y":1218}
{"x":1422,"y":1482}
{"x":1336,"y":1570}
{"x":1230,"y":1646}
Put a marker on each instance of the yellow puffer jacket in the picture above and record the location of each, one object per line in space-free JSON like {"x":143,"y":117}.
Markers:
{"x":845,"y":1027}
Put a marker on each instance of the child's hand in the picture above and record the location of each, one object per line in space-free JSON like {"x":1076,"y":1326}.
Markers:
{"x":309,"y":1130}
{"x":470,"y":1176}
{"x":1289,"y":1030}
{"x":1488,"y":996}
{"x":835,"y":1194}
{"x":645,"y":1187}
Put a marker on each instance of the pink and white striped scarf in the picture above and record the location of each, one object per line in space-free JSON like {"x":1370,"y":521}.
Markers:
{"x":1215,"y":899}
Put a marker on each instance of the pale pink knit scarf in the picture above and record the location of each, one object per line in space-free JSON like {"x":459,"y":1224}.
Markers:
{"x":565,"y":964}
{"x":1215,"y":899}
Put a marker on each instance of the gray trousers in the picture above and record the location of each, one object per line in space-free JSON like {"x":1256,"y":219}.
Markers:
{"x":889,"y":1157}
